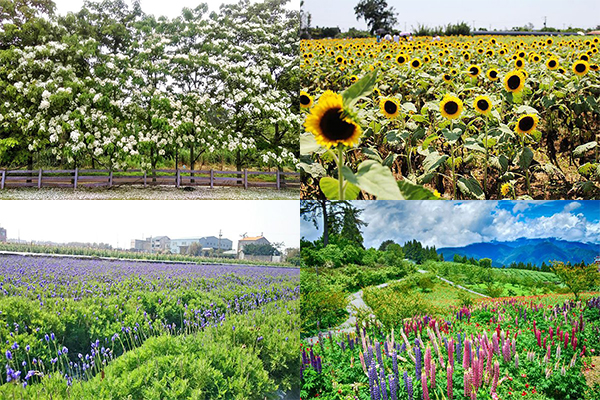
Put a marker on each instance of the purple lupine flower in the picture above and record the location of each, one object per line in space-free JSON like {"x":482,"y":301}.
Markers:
{"x":393,"y":388}
{"x":409,"y":388}
{"x":27,"y":348}
{"x":395,"y":366}
{"x":378,"y":352}
{"x":418,"y":365}
{"x":8,"y":355}
{"x":373,"y":382}
{"x":383,"y":384}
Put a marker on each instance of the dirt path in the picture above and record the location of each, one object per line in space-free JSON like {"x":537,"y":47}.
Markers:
{"x":357,"y":303}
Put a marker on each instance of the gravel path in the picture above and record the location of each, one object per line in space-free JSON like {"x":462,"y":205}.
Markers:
{"x":149,"y":193}
{"x":357,"y":303}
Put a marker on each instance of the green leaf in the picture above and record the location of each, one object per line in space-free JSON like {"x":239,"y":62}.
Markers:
{"x":315,"y":170}
{"x":470,"y":187}
{"x":410,"y":191}
{"x":524,"y":157}
{"x":331,"y":189}
{"x":452,"y":136}
{"x":584,"y":148}
{"x":375,"y":179}
{"x":500,"y":162}
{"x":428,"y":141}
{"x":409,"y":107}
{"x":526,"y":110}
{"x":433,"y":161}
{"x":372,"y":153}
{"x":362,"y":88}
{"x":308,"y":144}
{"x":473,"y":144}
{"x":389,"y":160}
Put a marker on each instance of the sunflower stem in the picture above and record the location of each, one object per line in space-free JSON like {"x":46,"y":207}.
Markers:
{"x":340,"y":164}
{"x":453,"y":164}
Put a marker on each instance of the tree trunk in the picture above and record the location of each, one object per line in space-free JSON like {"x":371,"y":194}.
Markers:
{"x":325,"y":223}
{"x":238,"y":165}
{"x":192,"y":162}
{"x":30,"y":165}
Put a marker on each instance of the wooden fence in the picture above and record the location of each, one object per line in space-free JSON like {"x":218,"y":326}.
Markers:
{"x":66,"y":178}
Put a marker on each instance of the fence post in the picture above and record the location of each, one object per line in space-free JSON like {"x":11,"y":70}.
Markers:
{"x":110,"y":179}
{"x":278,"y":180}
{"x":144,"y":178}
{"x":3,"y":177}
{"x":76,"y":177}
{"x":245,"y":178}
{"x":178,"y":179}
{"x":212,"y":178}
{"x":40,"y":179}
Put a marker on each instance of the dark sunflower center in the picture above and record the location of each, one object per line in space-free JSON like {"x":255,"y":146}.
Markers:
{"x":526,"y":123}
{"x":519,"y":63}
{"x":401,"y":60}
{"x":447,"y":77}
{"x":580,"y":67}
{"x":474,"y":70}
{"x":514,"y":82}
{"x":493,"y":74}
{"x":483,"y":104}
{"x":415,"y":63}
{"x":552,"y":63}
{"x":334,"y":127}
{"x":451,"y":107}
{"x":304,"y":100}
{"x":390,"y":107}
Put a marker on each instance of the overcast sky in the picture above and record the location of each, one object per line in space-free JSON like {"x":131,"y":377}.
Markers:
{"x":451,"y":223}
{"x":117,"y":222}
{"x":485,"y":13}
{"x":168,"y":8}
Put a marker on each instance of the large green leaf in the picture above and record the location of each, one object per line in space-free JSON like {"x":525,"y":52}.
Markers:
{"x":524,"y":157}
{"x":584,"y":148}
{"x":362,"y":88}
{"x":433,"y":161}
{"x":331,"y":188}
{"x":471,"y":188}
{"x":410,"y":191}
{"x":315,"y":170}
{"x":473,"y":144}
{"x":308,"y":144}
{"x":375,"y":179}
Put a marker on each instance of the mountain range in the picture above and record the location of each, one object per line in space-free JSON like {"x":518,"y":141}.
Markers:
{"x":535,"y":251}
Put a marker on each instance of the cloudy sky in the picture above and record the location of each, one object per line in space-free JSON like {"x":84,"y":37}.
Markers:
{"x":117,"y":222}
{"x":168,"y":8}
{"x":449,"y":223}
{"x":484,"y":13}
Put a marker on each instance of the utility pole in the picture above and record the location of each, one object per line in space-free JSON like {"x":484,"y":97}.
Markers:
{"x":220,"y":235}
{"x":545,"y":21}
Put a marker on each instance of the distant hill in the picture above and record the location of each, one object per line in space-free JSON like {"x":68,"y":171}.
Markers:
{"x":535,"y":251}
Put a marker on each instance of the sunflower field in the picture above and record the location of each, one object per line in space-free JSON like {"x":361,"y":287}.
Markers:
{"x":484,"y":117}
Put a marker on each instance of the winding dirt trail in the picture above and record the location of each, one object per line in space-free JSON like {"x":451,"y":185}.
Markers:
{"x":356,"y":303}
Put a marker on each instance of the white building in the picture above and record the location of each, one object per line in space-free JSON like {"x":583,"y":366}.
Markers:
{"x":180,"y":246}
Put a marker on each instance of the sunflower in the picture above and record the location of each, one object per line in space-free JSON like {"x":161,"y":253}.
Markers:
{"x":594,"y":67}
{"x":451,"y":107}
{"x":340,"y":59}
{"x":474,"y":70}
{"x":552,"y":63}
{"x":527,"y":123}
{"x":329,"y":124}
{"x":506,"y":189}
{"x":447,"y":77}
{"x":581,"y":67}
{"x":492,"y":74}
{"x":401,"y":59}
{"x":415,"y":63}
{"x":390,"y":107}
{"x":514,"y":81}
{"x":353,"y":78}
{"x":483,"y":104}
{"x":519,"y":63}
{"x":306,"y":101}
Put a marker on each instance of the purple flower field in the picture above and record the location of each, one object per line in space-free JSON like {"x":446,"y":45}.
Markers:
{"x":72,"y":317}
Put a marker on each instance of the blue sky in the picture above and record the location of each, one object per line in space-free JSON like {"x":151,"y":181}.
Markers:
{"x":456,"y":223}
{"x":484,"y":13}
